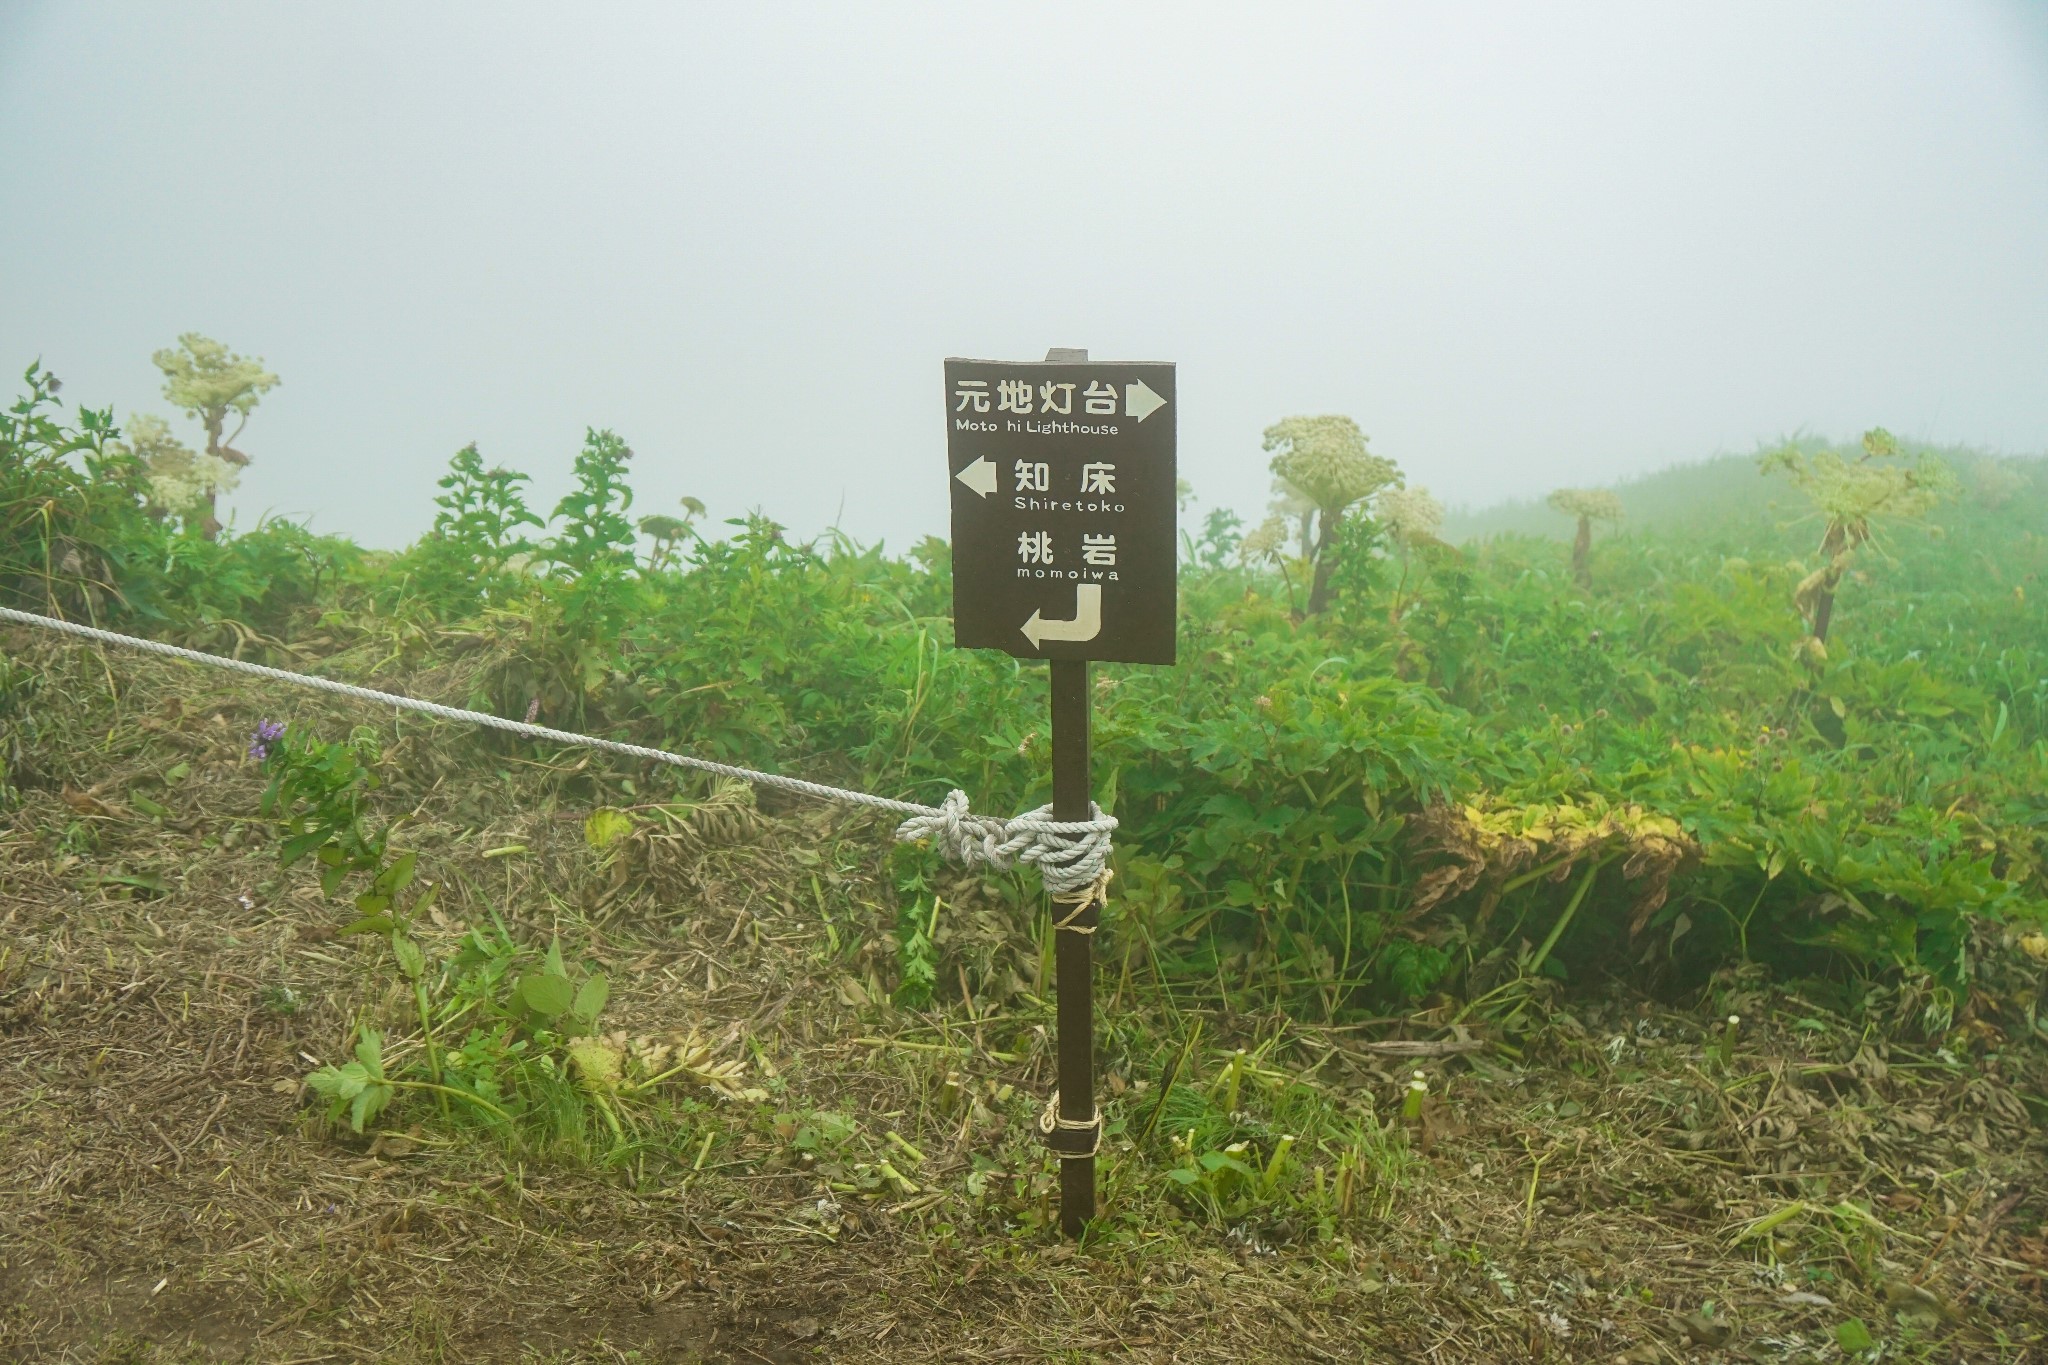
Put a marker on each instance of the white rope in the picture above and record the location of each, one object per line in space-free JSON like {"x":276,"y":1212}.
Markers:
{"x":1071,"y":855}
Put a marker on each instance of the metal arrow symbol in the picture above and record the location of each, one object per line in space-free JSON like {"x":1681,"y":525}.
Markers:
{"x":1086,"y":625}
{"x":980,"y":476}
{"x":1139,"y":400}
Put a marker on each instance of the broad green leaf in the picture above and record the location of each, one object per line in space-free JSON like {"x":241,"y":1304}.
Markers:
{"x":299,"y":845}
{"x":369,"y":924}
{"x":590,"y":998}
{"x":370,"y":1052}
{"x":548,"y":995}
{"x":398,"y":876}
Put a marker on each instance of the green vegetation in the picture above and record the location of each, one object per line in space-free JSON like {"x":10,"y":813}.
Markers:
{"x":1672,"y":906}
{"x":1392,"y":786}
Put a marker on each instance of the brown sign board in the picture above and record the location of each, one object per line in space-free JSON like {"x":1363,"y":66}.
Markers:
{"x":1064,"y":500}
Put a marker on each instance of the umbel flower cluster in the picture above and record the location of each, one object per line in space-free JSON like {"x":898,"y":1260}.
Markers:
{"x":181,"y":480}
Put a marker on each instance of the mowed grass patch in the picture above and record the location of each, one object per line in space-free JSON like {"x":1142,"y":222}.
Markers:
{"x":1611,"y":1178}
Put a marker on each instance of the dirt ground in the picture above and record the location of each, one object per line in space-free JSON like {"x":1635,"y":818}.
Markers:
{"x":1604,"y":1188}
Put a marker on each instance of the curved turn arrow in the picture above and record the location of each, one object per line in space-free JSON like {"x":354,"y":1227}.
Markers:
{"x":1086,"y":625}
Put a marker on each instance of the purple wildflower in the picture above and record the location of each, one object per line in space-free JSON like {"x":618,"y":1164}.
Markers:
{"x":267,"y":733}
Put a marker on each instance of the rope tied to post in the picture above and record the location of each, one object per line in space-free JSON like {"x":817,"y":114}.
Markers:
{"x":1072,"y":856}
{"x":1053,"y":1129}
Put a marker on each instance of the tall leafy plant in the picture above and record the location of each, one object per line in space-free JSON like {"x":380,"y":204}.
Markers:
{"x":478,"y":533}
{"x":71,"y":501}
{"x":1853,"y":498}
{"x":213,"y":384}
{"x":1323,"y":462}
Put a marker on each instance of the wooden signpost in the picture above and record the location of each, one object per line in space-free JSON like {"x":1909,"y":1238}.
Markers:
{"x":1064,"y":498}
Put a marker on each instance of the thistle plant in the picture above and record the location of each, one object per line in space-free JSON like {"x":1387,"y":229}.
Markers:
{"x":1852,"y":496}
{"x":1324,"y":462}
{"x":1588,"y":505}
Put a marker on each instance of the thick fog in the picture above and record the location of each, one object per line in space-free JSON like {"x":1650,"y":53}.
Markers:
{"x":1523,"y":245}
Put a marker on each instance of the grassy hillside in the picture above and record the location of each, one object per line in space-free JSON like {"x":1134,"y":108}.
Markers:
{"x":544,"y":1033}
{"x":1726,"y":497}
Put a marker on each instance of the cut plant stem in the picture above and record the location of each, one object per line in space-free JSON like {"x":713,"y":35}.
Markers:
{"x":1279,"y":1161}
{"x":897,"y":1141}
{"x":1728,"y":1040}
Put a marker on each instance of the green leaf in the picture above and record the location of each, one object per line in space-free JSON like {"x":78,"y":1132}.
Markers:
{"x":590,"y":998}
{"x":1220,"y":1161}
{"x":142,"y":881}
{"x":606,"y":826}
{"x":339,"y":1083}
{"x":146,"y":806}
{"x":549,"y":995}
{"x":299,"y":845}
{"x":1854,"y":1336}
{"x":370,"y":1052}
{"x":368,"y":1105}
{"x":370,"y":924}
{"x":411,"y":960}
{"x":398,"y":876}
{"x":177,"y":773}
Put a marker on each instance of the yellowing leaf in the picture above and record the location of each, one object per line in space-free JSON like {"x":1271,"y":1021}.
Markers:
{"x":606,"y":826}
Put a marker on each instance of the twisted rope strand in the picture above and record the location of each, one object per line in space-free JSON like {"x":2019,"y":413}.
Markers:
{"x":1072,"y":856}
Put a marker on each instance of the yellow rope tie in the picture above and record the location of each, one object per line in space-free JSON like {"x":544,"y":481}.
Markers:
{"x":1050,"y":1122}
{"x":1091,"y":896}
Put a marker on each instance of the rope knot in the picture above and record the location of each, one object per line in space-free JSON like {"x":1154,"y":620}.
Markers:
{"x":1069,"y":1139}
{"x":1072,"y":856}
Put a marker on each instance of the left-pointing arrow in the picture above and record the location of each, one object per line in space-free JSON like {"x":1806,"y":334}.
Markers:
{"x":980,"y":476}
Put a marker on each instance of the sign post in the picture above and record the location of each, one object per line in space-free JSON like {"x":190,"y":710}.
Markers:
{"x":1064,"y":494}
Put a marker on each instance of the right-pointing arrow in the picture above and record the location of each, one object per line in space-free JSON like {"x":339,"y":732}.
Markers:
{"x":1086,"y":625}
{"x":980,"y":476}
{"x":1139,"y":400}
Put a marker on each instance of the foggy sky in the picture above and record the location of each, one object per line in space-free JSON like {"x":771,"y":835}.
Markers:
{"x":1523,"y":245}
